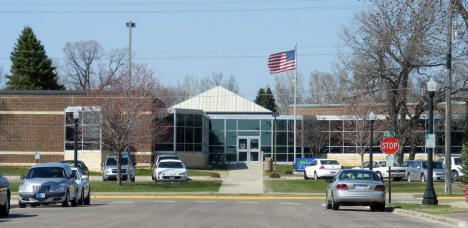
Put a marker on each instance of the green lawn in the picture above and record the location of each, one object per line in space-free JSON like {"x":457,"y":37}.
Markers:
{"x":432,"y":209}
{"x":110,"y":186}
{"x":13,"y":171}
{"x":310,"y":186}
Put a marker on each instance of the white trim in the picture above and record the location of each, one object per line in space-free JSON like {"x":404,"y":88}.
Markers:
{"x":31,"y":152}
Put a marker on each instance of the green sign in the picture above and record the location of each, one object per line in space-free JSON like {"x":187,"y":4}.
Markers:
{"x":430,"y":140}
{"x":388,"y":134}
{"x":389,"y":161}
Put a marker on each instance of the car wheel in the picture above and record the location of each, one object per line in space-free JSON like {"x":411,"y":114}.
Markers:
{"x":397,"y":178}
{"x":409,"y":177}
{"x":152,"y":176}
{"x":373,"y":207}
{"x":74,"y":202}
{"x":335,"y":206}
{"x":21,"y":205}
{"x":87,"y":200}
{"x":423,"y":178}
{"x":133,"y":179}
{"x":381,"y":207}
{"x":81,"y":201}
{"x":315,"y":176}
{"x":65,"y":202}
{"x":327,"y":203}
{"x":5,"y":209}
{"x":455,"y":175}
{"x":305,"y":175}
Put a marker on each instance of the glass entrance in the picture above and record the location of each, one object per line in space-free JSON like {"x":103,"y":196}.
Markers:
{"x":248,"y":149}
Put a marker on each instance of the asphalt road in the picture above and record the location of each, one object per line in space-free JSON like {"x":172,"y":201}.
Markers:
{"x":132,"y":213}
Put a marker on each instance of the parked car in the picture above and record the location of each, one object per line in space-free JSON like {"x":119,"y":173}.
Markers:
{"x":127,"y":168}
{"x":80,"y":164}
{"x":456,"y":167}
{"x":405,"y":165}
{"x":48,"y":183}
{"x":170,"y":170}
{"x":5,"y":196}
{"x":417,"y":171}
{"x":380,"y":168}
{"x":320,"y":168}
{"x":161,"y":158}
{"x":84,"y":189}
{"x":356,"y":187}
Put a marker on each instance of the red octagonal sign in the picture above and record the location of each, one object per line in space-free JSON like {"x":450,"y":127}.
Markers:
{"x":389,"y":145}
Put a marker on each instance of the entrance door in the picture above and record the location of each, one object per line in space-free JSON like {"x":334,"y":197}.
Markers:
{"x":248,"y":149}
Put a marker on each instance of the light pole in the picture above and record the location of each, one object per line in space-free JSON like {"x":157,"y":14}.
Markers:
{"x":76,"y":117}
{"x":130,"y":25}
{"x":430,"y":198}
{"x":275,"y":114}
{"x":371,"y":142}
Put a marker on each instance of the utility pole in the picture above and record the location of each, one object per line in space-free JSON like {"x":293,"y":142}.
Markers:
{"x":448,"y":103}
{"x":130,"y":25}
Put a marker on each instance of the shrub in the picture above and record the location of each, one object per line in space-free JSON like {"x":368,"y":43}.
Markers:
{"x":288,"y":171}
{"x":464,"y":158}
{"x":275,"y":175}
{"x":215,"y":175}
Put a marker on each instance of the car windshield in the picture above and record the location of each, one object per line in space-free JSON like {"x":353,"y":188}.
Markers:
{"x":329,"y":162}
{"x":458,"y":161}
{"x":384,"y":163}
{"x":435,"y":165}
{"x":176,"y":165}
{"x":46,"y":172}
{"x":113,"y":161}
{"x":358,"y":175}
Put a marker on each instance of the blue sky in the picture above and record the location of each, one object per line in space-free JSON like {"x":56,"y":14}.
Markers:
{"x":180,"y":37}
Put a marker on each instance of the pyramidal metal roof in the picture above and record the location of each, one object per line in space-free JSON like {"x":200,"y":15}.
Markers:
{"x":219,"y":99}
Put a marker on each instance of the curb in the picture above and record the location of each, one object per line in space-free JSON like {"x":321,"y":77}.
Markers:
{"x":431,"y":218}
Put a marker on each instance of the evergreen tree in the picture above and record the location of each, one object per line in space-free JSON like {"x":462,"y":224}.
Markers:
{"x":266,"y":99}
{"x":31,"y":69}
{"x":464,"y":158}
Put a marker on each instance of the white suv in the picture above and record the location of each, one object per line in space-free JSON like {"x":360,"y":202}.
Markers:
{"x":456,"y":167}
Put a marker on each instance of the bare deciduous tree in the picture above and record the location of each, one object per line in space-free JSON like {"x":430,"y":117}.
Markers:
{"x":327,"y":88}
{"x":81,"y":59}
{"x":284,"y":91}
{"x":315,"y":135}
{"x":127,"y":105}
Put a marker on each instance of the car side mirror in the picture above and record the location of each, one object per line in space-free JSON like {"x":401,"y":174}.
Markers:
{"x":22,"y":177}
{"x":134,"y":164}
{"x":152,"y":163}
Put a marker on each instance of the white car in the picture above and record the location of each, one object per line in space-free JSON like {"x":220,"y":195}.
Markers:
{"x":380,"y":168}
{"x":456,"y":166}
{"x":320,"y":168}
{"x":170,"y":170}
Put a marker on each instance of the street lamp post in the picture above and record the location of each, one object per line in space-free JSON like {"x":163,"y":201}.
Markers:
{"x":371,"y":137}
{"x":275,"y":114}
{"x":76,"y":116}
{"x":130,"y":25}
{"x":430,"y":198}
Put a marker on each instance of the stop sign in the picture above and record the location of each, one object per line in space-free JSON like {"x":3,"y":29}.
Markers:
{"x":389,"y":145}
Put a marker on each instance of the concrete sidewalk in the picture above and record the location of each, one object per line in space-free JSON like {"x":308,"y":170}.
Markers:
{"x":243,"y":179}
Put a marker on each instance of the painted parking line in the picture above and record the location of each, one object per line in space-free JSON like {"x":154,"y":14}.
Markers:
{"x":164,"y":201}
{"x":210,"y":201}
{"x":289,"y":203}
{"x":247,"y":202}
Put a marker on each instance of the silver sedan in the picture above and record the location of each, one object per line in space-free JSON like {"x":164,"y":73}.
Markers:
{"x":356,"y":187}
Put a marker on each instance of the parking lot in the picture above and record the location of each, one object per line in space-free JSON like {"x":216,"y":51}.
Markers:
{"x":204,"y":213}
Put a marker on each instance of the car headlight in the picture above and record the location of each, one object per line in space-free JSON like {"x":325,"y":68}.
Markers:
{"x":182,"y":173}
{"x":21,"y":188}
{"x":108,"y":171}
{"x":61,"y":188}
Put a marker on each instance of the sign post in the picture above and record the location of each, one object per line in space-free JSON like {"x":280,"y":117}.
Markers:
{"x":37,"y":156}
{"x":389,"y":146}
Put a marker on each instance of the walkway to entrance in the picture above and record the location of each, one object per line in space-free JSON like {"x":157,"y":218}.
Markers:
{"x":243,"y":178}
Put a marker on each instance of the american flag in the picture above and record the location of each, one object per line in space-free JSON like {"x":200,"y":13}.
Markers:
{"x":282,"y":61}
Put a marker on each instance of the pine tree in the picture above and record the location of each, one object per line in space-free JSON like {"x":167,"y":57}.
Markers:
{"x":31,"y":69}
{"x":266,"y":99}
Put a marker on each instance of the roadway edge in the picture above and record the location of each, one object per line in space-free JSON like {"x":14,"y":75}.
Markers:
{"x":431,"y":218}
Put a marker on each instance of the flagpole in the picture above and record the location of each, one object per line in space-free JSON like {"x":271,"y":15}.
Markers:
{"x":295,"y":85}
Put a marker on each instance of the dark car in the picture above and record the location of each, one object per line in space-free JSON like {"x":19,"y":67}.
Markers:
{"x":80,"y":164}
{"x":4,"y":196}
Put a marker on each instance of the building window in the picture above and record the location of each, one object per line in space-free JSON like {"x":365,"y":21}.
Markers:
{"x":89,"y":134}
